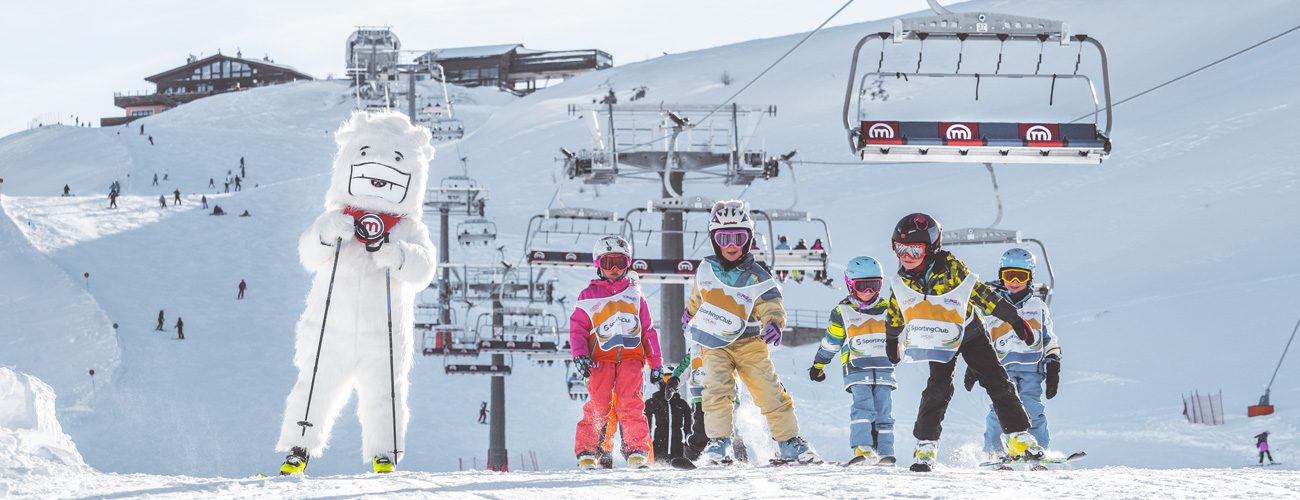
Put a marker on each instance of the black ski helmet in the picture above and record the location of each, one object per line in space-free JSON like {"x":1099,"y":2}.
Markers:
{"x":919,"y":228}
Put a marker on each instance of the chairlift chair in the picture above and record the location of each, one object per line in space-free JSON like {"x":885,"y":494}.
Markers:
{"x":993,"y":236}
{"x":476,"y":231}
{"x":961,"y":138}
{"x":490,"y":369}
{"x":814,"y":260}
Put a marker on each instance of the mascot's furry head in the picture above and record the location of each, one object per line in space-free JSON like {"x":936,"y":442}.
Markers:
{"x":382,"y":164}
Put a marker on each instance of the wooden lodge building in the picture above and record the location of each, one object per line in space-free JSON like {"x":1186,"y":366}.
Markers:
{"x":199,"y":78}
{"x":513,"y":67}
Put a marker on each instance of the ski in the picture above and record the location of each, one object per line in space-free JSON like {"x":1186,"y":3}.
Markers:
{"x":776,"y":462}
{"x":1078,"y":455}
{"x":883,"y":462}
{"x":684,"y":463}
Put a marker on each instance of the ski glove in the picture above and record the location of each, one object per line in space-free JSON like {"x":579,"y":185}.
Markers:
{"x":816,"y":374}
{"x":891,"y":350}
{"x":969,"y":381}
{"x":583,"y":364}
{"x":686,"y":319}
{"x":1023,"y":330}
{"x":771,"y":334}
{"x":1053,"y":375}
{"x":657,"y":376}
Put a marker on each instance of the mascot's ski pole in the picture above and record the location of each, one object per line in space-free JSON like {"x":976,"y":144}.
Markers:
{"x":392,"y":378}
{"x":305,"y":423}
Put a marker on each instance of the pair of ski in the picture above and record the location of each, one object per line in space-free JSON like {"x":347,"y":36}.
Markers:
{"x":1039,"y":464}
{"x":684,"y":463}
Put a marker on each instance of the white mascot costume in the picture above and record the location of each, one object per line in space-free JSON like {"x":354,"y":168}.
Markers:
{"x":372,"y":212}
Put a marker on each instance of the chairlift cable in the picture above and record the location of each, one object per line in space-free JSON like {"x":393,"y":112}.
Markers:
{"x":1195,"y":71}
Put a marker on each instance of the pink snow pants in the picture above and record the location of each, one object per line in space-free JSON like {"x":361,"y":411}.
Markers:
{"x":623,"y":381}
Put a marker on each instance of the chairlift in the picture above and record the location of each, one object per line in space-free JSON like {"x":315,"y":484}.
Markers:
{"x":448,"y":340}
{"x":592,"y":167}
{"x":1006,"y":237}
{"x":538,"y":334}
{"x":457,"y":192}
{"x":476,"y":231}
{"x":876,"y":137}
{"x":795,"y":261}
{"x":573,"y":230}
{"x":491,"y":369}
{"x":577,"y":384}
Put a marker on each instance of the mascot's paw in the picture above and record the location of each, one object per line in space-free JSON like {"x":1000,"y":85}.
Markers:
{"x":335,"y":226}
{"x":390,"y":256}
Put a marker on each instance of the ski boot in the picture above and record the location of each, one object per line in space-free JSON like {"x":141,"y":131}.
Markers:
{"x":382,"y":464}
{"x":1023,"y":446}
{"x":718,"y":451}
{"x":927,"y":452}
{"x":866,"y":455}
{"x":638,"y":459}
{"x":295,"y":463}
{"x":796,"y":449}
{"x":588,"y":461}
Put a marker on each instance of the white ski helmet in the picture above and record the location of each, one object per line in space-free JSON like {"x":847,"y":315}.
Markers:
{"x":608,"y":245}
{"x":730,"y":214}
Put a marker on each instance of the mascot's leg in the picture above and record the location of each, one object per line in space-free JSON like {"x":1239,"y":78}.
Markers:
{"x":374,"y":389}
{"x":334,"y":380}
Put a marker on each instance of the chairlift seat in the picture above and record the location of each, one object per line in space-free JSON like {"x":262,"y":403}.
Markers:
{"x":477,"y":369}
{"x":982,"y":142}
{"x":793,"y":260}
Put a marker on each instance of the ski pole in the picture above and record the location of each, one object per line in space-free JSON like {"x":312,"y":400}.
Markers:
{"x":392,"y":377}
{"x":329,"y":292}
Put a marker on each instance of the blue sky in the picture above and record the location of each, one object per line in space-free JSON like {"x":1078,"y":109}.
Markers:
{"x":66,"y":58}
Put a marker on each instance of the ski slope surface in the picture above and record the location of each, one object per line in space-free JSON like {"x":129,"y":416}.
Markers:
{"x":1174,"y":267}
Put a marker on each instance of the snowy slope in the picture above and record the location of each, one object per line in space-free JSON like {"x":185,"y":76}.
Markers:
{"x":1161,"y":253}
{"x":32,"y":444}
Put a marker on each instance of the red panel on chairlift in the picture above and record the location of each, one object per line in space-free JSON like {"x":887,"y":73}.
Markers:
{"x":960,"y":134}
{"x":1258,"y":410}
{"x":884,"y":133}
{"x":1045,"y":135}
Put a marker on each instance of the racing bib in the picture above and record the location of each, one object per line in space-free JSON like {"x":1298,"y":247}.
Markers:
{"x":1011,"y":350}
{"x":725,"y":310}
{"x":933,"y":324}
{"x":615,"y":320}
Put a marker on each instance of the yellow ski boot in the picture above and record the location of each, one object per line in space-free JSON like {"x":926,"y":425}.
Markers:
{"x":1023,"y":446}
{"x":638,"y":460}
{"x":587,"y":461}
{"x":382,"y":464}
{"x":295,"y":463}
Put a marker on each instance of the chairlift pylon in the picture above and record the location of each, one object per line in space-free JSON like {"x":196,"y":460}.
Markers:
{"x":966,"y":139}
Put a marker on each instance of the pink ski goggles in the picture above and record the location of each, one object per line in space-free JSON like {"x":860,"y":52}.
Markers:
{"x":731,"y":238}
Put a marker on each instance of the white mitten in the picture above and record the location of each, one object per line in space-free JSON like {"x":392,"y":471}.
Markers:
{"x":390,"y":256}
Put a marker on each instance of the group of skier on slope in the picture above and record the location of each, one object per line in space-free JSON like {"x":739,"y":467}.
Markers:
{"x":370,"y":240}
{"x":936,"y":311}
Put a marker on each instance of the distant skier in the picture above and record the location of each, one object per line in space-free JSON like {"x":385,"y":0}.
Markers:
{"x":227,"y":186}
{"x":162,"y":200}
{"x":141,"y":129}
{"x":613,"y":338}
{"x":242,"y":286}
{"x":177,"y":200}
{"x":160,"y":321}
{"x":736,"y":311}
{"x":482,"y":413}
{"x":856,"y":335}
{"x":245,"y":214}
{"x":238,"y":184}
{"x":112,"y":199}
{"x":932,"y":315}
{"x":1261,"y":442}
{"x":820,"y":274}
{"x":204,"y":200}
{"x":782,"y":244}
{"x":241,"y":167}
{"x":371,"y":222}
{"x":1027,"y":366}
{"x":151,"y":140}
{"x":212,"y":183}
{"x":180,"y":329}
{"x":67,"y":191}
{"x":155,"y":178}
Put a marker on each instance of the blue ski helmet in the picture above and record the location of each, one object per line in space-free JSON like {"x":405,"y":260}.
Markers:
{"x":1019,"y":258}
{"x":863,"y":267}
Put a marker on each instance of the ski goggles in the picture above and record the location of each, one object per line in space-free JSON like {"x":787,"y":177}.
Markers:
{"x":1014,"y":275}
{"x":611,"y":261}
{"x":731,"y":237}
{"x":913,"y":250}
{"x":864,"y":285}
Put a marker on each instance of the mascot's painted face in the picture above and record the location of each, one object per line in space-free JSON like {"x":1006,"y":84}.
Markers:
{"x":382,"y":164}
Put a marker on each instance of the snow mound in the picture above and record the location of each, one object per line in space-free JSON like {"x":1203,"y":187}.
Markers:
{"x":32,"y":442}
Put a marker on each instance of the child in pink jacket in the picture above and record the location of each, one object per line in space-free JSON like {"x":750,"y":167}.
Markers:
{"x":612,"y":338}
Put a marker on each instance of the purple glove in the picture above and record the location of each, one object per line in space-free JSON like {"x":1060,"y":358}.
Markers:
{"x":686,"y":318}
{"x":771,"y":334}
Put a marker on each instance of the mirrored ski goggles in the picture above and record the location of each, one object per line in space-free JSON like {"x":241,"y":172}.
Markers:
{"x":913,"y":250}
{"x":1014,"y":275}
{"x":729,"y":238}
{"x":611,"y":261}
{"x":864,"y":285}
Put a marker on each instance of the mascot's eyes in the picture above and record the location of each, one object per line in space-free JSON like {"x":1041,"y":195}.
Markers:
{"x":378,"y":183}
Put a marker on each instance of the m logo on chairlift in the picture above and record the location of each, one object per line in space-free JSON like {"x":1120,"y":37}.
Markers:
{"x":686,"y":266}
{"x":881,"y":130}
{"x":539,"y":255}
{"x":957,"y":131}
{"x":1041,"y":134}
{"x":961,"y":133}
{"x":570,"y":257}
{"x":640,"y":265}
{"x":1038,"y":133}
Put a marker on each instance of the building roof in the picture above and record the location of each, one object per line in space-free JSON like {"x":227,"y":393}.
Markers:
{"x":188,"y":68}
{"x":472,"y":52}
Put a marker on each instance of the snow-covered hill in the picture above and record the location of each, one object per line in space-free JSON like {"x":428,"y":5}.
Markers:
{"x":1173,"y":258}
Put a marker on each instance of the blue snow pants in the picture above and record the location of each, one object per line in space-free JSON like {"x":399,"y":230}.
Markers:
{"x":871,"y":418}
{"x":1029,"y":386}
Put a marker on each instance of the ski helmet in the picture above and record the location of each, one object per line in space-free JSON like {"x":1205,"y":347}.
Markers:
{"x":1019,"y":258}
{"x":919,"y":228}
{"x":863,"y":267}
{"x":730,"y":214}
{"x":608,"y":245}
